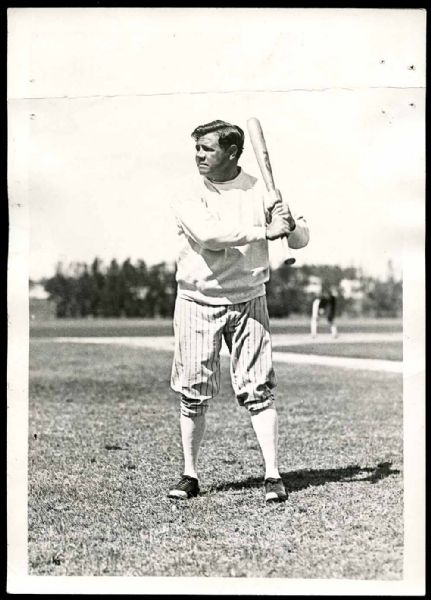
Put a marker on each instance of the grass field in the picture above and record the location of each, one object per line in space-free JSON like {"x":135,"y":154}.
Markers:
{"x":104,"y":446}
{"x":163,"y":327}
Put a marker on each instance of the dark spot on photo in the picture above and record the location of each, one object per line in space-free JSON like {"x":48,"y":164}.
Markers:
{"x":112,"y":447}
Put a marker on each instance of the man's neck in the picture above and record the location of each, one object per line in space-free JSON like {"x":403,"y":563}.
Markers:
{"x":223,"y":178}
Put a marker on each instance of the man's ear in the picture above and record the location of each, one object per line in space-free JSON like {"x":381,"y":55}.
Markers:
{"x":233,"y":151}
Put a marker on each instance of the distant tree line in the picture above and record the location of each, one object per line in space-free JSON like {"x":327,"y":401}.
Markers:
{"x":115,"y":290}
{"x":138,"y":290}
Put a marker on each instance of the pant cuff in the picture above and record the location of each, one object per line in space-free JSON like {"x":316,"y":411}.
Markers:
{"x":254,"y":406}
{"x":190,"y":408}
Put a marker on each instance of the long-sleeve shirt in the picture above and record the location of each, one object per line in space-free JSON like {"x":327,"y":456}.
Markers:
{"x":223,"y":251}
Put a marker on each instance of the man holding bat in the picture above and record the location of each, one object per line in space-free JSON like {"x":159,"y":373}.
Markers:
{"x":225,"y":218}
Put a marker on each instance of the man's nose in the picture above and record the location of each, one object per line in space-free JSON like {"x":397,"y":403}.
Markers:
{"x":200,"y":154}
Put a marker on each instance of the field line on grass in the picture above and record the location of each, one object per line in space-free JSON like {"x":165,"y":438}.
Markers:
{"x":153,"y":342}
{"x":368,"y":364}
{"x":167,"y":344}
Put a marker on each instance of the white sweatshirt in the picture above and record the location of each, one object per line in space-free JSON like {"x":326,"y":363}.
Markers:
{"x":223,"y":250}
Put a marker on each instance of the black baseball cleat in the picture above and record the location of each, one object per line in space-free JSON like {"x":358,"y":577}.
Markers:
{"x":187,"y":487}
{"x":275,"y":490}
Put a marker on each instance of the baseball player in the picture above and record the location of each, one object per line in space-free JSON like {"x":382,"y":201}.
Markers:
{"x":325,"y":303}
{"x":224,"y":220}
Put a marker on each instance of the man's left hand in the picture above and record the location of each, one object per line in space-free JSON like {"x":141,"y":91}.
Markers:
{"x":280,"y":208}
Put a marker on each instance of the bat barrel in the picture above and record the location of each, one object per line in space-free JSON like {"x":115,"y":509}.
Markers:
{"x":261,"y":151}
{"x":262,"y":156}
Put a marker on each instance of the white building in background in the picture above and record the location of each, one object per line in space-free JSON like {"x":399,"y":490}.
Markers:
{"x":37,"y":292}
{"x":40,"y":306}
{"x":352,"y":289}
{"x":314,"y":285}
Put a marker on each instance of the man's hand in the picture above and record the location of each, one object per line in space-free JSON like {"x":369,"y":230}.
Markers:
{"x":278,"y":227}
{"x":282,"y":210}
{"x":274,"y":205}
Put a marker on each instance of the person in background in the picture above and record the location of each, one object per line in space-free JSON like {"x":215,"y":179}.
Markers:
{"x":326,"y":303}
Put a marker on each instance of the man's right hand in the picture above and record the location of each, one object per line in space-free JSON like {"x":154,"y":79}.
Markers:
{"x":278,"y":228}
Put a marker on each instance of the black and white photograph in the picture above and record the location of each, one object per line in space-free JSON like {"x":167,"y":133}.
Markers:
{"x":216,"y":301}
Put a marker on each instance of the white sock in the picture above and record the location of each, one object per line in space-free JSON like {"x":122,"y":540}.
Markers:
{"x":265,"y":425}
{"x":192,"y":433}
{"x":334,"y":331}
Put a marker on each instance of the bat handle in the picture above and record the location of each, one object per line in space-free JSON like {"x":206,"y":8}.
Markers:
{"x":287,"y":252}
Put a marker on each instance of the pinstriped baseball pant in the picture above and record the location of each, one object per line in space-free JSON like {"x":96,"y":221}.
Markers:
{"x":199,"y":330}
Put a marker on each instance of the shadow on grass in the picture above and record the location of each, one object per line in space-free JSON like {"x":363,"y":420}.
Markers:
{"x":300,"y":480}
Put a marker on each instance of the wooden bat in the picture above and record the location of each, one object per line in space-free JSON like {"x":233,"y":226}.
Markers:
{"x":259,"y":146}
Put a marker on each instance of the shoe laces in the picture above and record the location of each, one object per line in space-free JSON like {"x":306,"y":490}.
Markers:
{"x":185,"y":481}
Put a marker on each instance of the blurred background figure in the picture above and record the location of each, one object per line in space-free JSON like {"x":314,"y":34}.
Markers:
{"x":325,"y":303}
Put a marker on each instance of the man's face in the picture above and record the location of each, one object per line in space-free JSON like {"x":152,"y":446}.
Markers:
{"x":211,"y":159}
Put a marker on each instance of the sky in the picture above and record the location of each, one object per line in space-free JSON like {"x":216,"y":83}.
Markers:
{"x":102,"y":102}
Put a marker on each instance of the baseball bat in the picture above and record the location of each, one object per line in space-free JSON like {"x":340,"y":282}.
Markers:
{"x":262,"y":156}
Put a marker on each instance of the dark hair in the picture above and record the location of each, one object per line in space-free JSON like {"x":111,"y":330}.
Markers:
{"x":228,"y":134}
